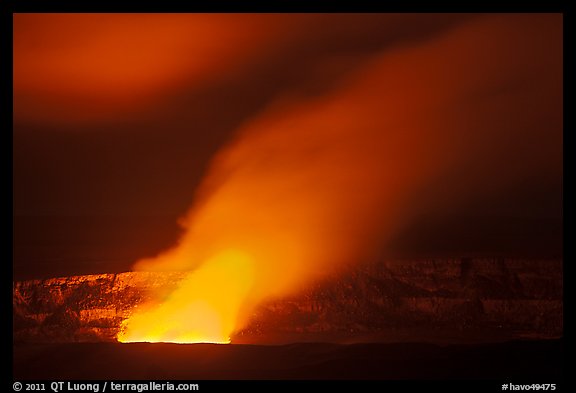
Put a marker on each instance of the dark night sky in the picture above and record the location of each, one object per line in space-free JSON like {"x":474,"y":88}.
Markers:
{"x":116,"y":118}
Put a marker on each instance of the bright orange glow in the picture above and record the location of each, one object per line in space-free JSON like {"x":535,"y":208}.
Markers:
{"x":314,"y":184}
{"x":203,"y":309}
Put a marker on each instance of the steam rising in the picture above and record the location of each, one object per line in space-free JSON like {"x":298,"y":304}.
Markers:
{"x":314,"y":184}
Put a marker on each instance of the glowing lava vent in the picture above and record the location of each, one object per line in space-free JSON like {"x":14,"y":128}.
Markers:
{"x":203,"y":309}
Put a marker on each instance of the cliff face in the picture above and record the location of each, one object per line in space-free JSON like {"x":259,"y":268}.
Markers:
{"x":519,"y":296}
{"x":81,"y":308}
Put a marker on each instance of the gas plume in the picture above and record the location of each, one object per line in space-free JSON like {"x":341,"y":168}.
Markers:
{"x":316,"y":183}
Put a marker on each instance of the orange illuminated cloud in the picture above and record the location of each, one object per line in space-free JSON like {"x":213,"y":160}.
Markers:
{"x":71,"y":68}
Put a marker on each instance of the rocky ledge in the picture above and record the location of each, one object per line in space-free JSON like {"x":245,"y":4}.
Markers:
{"x":481,"y":295}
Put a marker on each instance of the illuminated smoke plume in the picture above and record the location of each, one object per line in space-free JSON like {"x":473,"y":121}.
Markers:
{"x":313,"y":184}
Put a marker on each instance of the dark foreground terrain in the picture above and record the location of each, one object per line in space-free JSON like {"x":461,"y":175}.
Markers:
{"x":539,"y":360}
